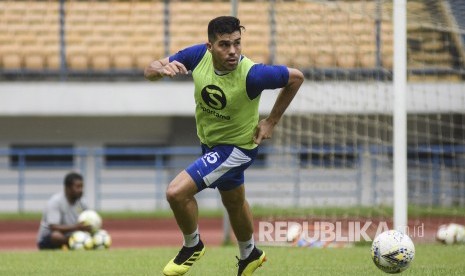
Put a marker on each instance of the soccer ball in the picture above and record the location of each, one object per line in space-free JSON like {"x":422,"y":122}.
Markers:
{"x":293,"y":232}
{"x":392,"y":251}
{"x":80,"y":240}
{"x":92,"y":218}
{"x":451,"y":233}
{"x":101,"y":239}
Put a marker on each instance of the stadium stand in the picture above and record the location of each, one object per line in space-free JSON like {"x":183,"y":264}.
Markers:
{"x":350,"y":36}
{"x":29,"y":34}
{"x":455,"y":13}
{"x":428,"y":43}
{"x":107,"y":36}
{"x":103,"y":35}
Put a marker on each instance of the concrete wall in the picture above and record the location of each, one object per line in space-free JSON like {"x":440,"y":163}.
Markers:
{"x":176,"y":99}
{"x":95,"y":115}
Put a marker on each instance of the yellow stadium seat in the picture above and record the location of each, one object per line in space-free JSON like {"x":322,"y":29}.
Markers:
{"x":53,"y":60}
{"x":76,"y":57}
{"x":11,"y":59}
{"x":122,"y":57}
{"x":99,"y":56}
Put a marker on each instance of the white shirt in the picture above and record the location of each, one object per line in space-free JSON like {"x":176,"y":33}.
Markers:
{"x":59,"y":211}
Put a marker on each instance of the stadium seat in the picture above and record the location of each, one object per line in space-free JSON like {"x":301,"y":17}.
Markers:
{"x":11,"y":59}
{"x":122,"y":57}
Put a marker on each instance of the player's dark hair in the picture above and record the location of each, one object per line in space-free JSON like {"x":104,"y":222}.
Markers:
{"x":223,"y":25}
{"x":70,"y":178}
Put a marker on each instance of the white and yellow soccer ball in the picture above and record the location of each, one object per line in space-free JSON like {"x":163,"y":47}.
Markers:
{"x":392,"y":251}
{"x":101,"y":239}
{"x":80,"y":240}
{"x":451,"y":233}
{"x":92,"y":218}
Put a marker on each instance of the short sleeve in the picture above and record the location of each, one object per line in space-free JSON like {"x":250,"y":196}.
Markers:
{"x":190,"y":56}
{"x":261,"y":77}
{"x":52,"y":211}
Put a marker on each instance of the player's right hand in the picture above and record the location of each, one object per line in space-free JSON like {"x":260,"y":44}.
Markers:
{"x":173,"y":68}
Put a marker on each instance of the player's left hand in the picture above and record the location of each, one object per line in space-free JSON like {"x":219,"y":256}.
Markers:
{"x":263,"y":131}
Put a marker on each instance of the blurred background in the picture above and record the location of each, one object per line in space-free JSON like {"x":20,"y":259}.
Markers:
{"x":73,"y":97}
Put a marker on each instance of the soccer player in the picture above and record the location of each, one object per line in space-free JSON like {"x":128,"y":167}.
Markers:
{"x":60,"y":217}
{"x":227,"y":92}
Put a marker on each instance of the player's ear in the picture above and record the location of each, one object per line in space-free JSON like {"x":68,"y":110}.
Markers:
{"x":209,"y":46}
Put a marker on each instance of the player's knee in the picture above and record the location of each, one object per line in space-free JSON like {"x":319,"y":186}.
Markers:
{"x":181,"y":189}
{"x":174,"y":195}
{"x":56,"y":235}
{"x":58,"y":238}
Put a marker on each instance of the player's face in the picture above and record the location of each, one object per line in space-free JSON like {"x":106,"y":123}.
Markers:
{"x":226,"y":51}
{"x":76,"y":190}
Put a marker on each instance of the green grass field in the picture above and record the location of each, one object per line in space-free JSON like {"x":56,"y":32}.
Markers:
{"x":429,"y":260}
{"x":270,"y":211}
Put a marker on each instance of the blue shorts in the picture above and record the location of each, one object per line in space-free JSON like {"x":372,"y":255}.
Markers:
{"x":222,"y":166}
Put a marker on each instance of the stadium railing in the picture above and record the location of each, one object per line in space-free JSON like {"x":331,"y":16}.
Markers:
{"x":136,"y":178}
{"x":29,"y":175}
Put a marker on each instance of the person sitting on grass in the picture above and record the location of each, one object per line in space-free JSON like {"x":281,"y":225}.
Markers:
{"x":60,"y":217}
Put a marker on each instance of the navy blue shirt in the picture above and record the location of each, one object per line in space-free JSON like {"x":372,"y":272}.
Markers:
{"x":259,"y":78}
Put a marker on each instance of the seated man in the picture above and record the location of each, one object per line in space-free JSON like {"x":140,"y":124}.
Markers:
{"x":60,"y":217}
